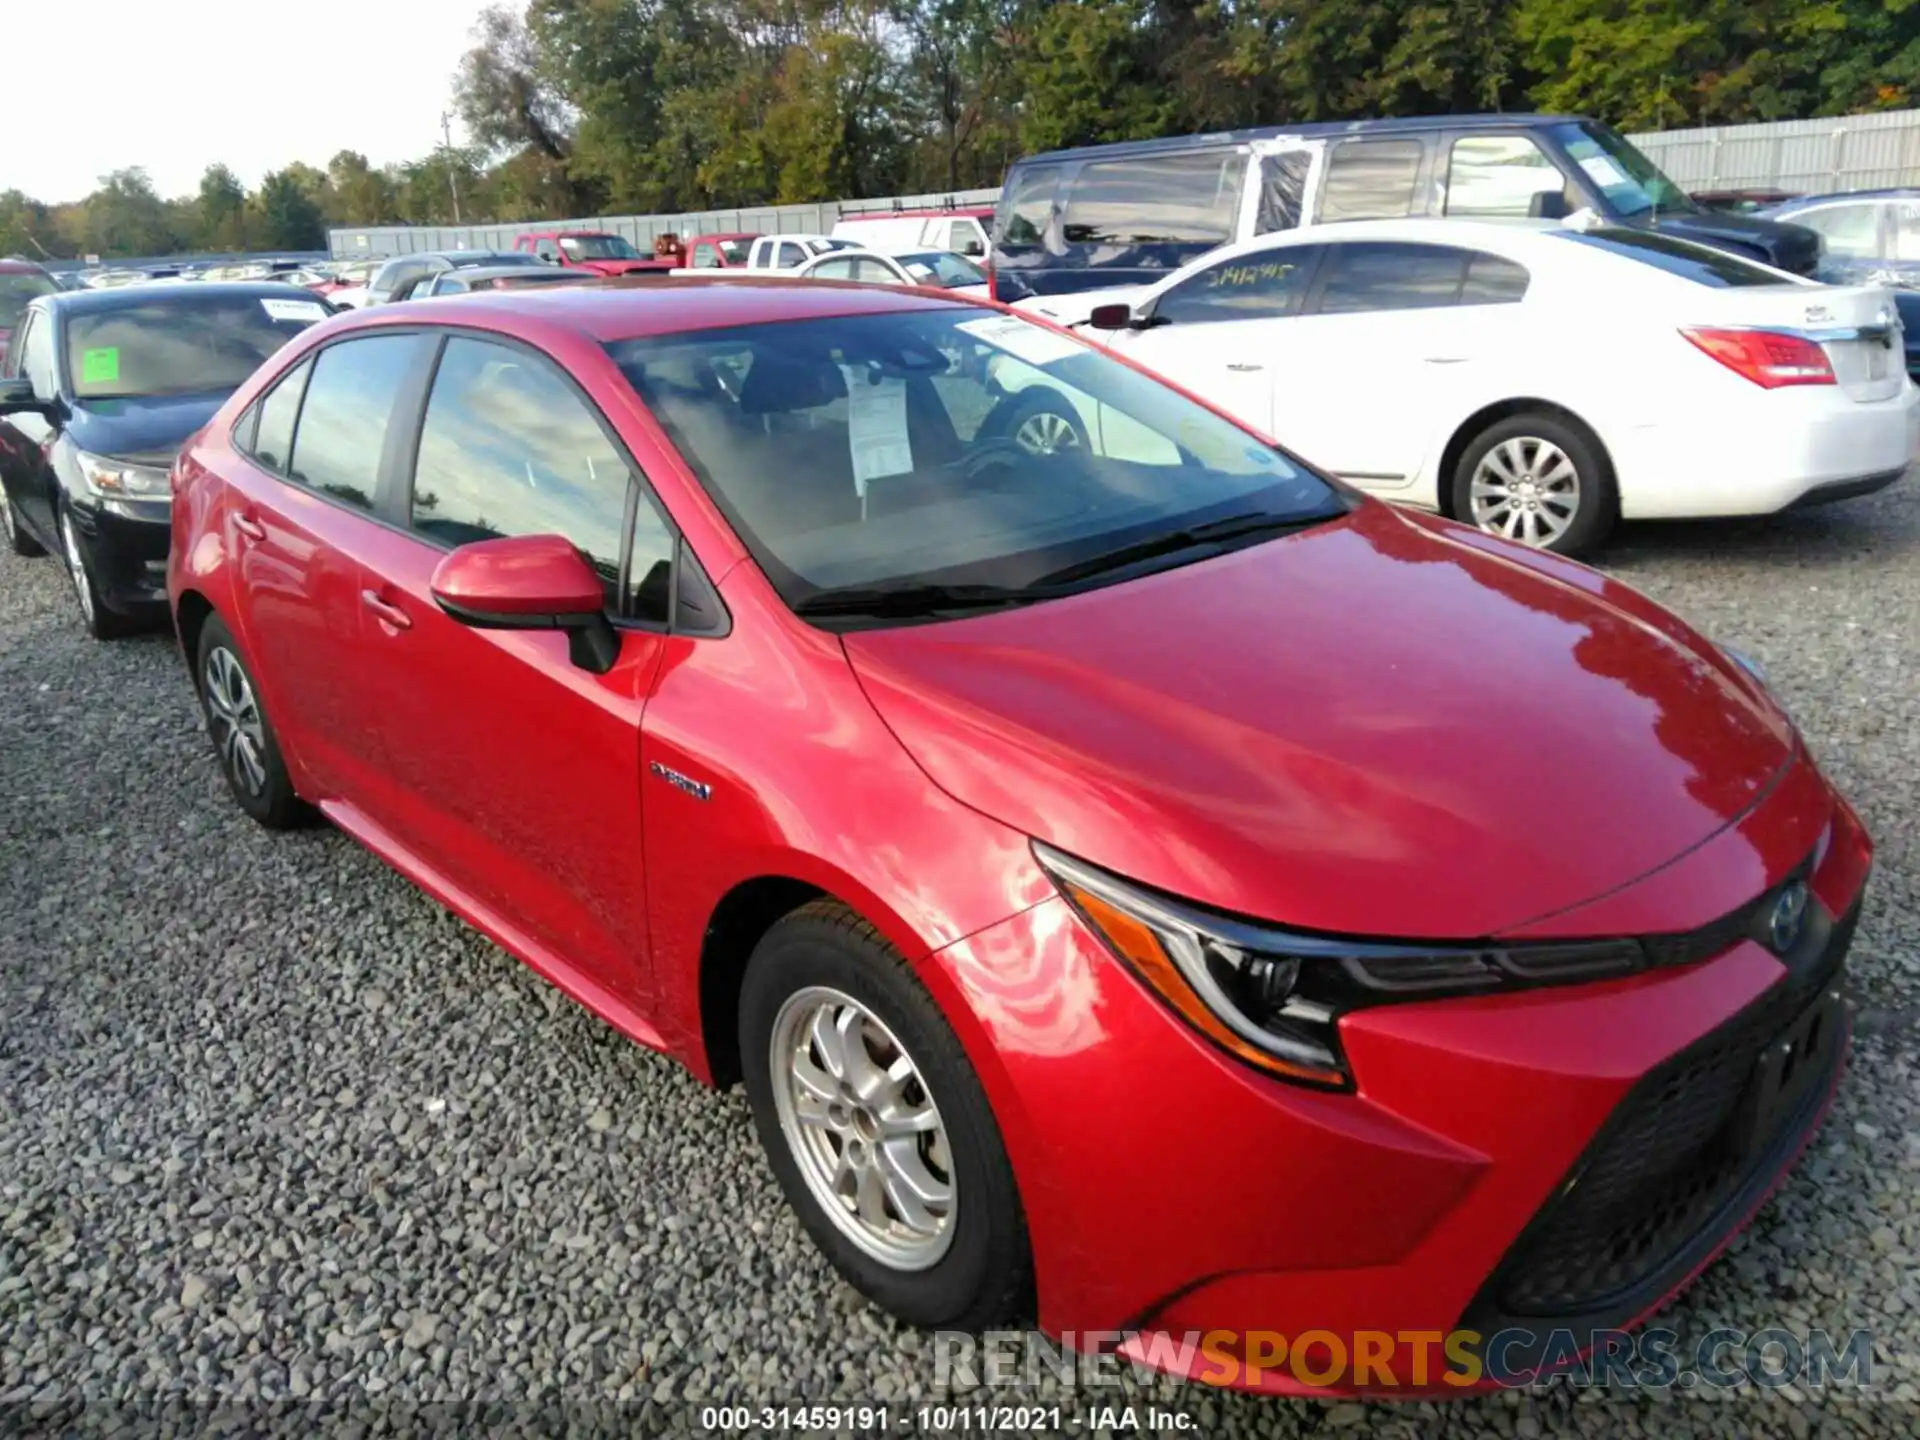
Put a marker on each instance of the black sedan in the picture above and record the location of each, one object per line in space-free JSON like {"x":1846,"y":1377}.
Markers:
{"x":99,"y":391}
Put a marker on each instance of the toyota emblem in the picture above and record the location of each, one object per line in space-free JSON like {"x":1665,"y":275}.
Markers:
{"x":1788,"y":918}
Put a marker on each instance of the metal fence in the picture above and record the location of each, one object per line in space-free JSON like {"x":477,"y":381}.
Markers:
{"x":1855,"y":152}
{"x":377,"y":242}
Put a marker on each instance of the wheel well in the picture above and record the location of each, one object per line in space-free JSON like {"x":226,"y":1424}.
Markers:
{"x":1474,"y":424}
{"x":743,"y":915}
{"x":189,"y":616}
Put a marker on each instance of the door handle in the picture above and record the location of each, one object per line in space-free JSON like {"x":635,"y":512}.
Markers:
{"x":1246,"y":369}
{"x":249,"y":527}
{"x":1447,"y":359}
{"x":389,"y":612}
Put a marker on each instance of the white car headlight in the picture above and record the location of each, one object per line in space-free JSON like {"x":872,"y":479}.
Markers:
{"x":108,"y":478}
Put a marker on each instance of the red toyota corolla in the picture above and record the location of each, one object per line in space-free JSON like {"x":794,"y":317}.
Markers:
{"x":1129,"y":872}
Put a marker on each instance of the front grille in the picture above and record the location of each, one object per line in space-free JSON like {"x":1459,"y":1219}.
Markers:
{"x":1663,"y":1168}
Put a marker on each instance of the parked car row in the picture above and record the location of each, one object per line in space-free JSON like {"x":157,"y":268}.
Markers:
{"x":99,"y":391}
{"x":731,"y":655}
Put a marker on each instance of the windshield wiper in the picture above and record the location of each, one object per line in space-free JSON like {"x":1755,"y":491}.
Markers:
{"x":1213,"y":532}
{"x":910,"y":599}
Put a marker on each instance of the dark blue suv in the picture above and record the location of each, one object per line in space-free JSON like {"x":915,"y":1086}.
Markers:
{"x":1126,"y":214}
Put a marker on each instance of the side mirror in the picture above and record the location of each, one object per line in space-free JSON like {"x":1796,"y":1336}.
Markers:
{"x":17,"y":398}
{"x":530,"y":582}
{"x":1548,"y":205}
{"x":1111,"y":317}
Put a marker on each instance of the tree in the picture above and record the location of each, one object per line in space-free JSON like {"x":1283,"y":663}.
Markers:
{"x":362,"y":195}
{"x":1089,"y":77}
{"x":220,"y":212}
{"x":125,"y":217}
{"x":26,"y":228}
{"x":289,"y":217}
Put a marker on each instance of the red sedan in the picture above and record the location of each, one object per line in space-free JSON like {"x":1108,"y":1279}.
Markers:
{"x":1131,"y":874}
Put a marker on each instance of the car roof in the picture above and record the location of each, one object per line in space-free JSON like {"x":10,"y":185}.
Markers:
{"x":21,"y":267}
{"x":1319,"y":130}
{"x":83,"y":302}
{"x":725,"y":235}
{"x":632,"y":309}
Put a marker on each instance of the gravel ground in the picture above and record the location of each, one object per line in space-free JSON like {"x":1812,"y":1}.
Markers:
{"x":274,"y":1127}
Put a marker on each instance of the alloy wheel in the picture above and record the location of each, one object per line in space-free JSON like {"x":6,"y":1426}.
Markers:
{"x":1526,"y":489}
{"x":863,"y":1128}
{"x":234,"y":716}
{"x":1045,"y":433}
{"x":77,"y":567}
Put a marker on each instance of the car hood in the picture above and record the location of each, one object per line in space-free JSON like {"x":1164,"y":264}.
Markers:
{"x":147,"y":428}
{"x":1782,"y":243}
{"x":1386,"y":725}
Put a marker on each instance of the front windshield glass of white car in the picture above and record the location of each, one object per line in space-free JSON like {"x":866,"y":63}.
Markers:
{"x":921,"y":463}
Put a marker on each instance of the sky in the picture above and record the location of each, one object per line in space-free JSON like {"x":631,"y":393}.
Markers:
{"x":176,"y":85}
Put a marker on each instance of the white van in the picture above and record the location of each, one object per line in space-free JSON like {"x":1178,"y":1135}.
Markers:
{"x":963,"y":231}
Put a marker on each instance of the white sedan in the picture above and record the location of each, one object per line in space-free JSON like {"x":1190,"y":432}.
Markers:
{"x":1537,"y":380}
{"x":938,"y":269}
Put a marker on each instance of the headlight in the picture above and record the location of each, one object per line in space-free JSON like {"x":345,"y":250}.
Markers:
{"x":108,"y":478}
{"x":1274,"y":997}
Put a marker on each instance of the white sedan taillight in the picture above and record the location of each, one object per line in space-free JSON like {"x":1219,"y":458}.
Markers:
{"x":1769,"y":358}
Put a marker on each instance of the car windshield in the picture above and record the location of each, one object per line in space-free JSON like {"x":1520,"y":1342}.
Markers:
{"x":736,"y":251}
{"x":1632,"y":183}
{"x":941,"y":267}
{"x":597,"y":247}
{"x":180,"y":341}
{"x":914,"y":462}
{"x":17,"y":287}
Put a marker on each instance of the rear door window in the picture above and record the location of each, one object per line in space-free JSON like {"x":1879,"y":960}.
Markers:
{"x":1367,"y":275}
{"x":1372,"y":180}
{"x":1704,"y":266}
{"x":273,"y":436}
{"x":347,"y":413}
{"x":1265,"y":286}
{"x":838,"y":268}
{"x":1155,"y":199}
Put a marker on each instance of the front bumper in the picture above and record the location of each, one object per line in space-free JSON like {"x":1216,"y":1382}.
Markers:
{"x":126,"y":548}
{"x":1192,"y":1213}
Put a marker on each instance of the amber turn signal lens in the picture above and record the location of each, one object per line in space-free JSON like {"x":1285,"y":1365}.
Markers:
{"x":1136,"y":942}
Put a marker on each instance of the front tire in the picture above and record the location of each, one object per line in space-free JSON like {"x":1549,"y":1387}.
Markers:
{"x":101,"y":623}
{"x":877,"y":1127}
{"x":243,"y":738}
{"x":1539,"y":479}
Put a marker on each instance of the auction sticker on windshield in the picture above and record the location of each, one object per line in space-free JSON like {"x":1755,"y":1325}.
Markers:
{"x":1022,"y":340}
{"x":305,"y":311}
{"x":98,"y":367}
{"x":876,"y":426}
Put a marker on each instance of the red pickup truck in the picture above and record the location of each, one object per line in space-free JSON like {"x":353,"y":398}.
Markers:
{"x":607,"y":254}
